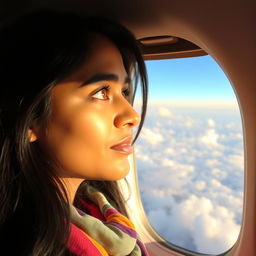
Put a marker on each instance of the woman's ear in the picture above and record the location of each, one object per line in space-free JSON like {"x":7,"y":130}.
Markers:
{"x":32,"y":135}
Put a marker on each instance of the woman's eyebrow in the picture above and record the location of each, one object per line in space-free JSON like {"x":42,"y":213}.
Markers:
{"x":104,"y":77}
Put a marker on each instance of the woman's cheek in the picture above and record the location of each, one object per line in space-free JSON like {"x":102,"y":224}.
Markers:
{"x":84,"y":144}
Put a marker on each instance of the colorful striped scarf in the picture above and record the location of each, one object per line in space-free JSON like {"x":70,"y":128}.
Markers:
{"x":115,"y":235}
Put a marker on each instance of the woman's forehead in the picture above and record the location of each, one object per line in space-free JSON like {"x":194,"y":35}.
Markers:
{"x":103,"y":57}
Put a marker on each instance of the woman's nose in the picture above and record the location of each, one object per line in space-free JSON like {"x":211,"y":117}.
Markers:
{"x":126,"y":115}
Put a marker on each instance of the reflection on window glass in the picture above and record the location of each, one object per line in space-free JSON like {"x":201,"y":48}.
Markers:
{"x":189,"y":155}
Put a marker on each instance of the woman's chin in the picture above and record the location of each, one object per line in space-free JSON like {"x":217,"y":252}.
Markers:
{"x":119,"y":175}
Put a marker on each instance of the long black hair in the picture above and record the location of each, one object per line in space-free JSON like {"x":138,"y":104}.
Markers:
{"x":37,"y":51}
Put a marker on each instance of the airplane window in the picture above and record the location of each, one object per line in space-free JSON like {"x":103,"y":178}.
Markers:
{"x":190,"y":155}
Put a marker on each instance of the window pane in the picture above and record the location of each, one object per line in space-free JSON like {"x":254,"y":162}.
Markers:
{"x":189,"y":155}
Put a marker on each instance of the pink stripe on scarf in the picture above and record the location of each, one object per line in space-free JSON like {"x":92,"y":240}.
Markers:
{"x":79,"y":243}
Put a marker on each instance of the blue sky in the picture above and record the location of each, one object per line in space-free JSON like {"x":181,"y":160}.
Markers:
{"x":188,"y":79}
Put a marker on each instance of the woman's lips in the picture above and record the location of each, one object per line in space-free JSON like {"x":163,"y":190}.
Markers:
{"x":125,"y":146}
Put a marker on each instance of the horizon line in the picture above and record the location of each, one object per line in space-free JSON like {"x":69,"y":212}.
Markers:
{"x":194,"y":103}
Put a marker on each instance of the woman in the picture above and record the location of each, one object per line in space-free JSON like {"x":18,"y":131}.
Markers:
{"x":67,"y":88}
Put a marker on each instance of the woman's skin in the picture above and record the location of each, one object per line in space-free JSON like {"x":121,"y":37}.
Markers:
{"x":86,"y":121}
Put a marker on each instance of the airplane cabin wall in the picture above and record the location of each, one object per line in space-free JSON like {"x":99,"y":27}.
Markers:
{"x":225,"y":29}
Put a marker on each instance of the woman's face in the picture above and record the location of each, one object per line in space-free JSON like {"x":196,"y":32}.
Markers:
{"x":91,"y":114}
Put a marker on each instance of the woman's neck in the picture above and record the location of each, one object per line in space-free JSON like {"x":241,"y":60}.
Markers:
{"x":71,"y":185}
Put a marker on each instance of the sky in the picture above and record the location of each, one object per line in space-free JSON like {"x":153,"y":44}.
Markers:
{"x":188,"y":79}
{"x":190,"y":158}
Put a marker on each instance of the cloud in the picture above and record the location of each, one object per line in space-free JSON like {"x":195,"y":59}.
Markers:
{"x":207,"y":230}
{"x":218,"y":174}
{"x":168,"y":162}
{"x":164,"y":112}
{"x":237,"y":161}
{"x":211,"y":122}
{"x":151,"y":137}
{"x":190,"y":169}
{"x":200,"y":185}
{"x":210,"y":138}
{"x":195,"y":222}
{"x":169,"y":150}
{"x":212,"y":162}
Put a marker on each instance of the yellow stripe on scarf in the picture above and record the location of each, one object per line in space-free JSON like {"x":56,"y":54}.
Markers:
{"x":96,"y":244}
{"x":120,"y":219}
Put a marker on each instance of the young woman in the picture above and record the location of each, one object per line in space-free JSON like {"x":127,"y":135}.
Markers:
{"x":66,"y":120}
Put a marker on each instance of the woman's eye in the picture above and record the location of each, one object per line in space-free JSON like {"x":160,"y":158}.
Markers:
{"x":126,"y":93}
{"x":102,"y":94}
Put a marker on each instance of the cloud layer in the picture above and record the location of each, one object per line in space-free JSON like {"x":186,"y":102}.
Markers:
{"x":190,"y":169}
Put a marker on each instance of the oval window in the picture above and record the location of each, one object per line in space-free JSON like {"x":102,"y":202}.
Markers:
{"x":190,"y":155}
